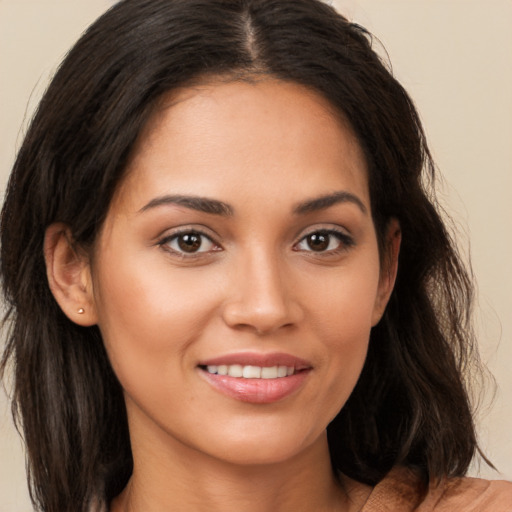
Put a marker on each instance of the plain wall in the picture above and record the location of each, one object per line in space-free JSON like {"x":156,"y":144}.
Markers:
{"x":455,"y":59}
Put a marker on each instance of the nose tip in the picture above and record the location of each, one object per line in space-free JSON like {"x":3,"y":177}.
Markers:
{"x":260,"y":301}
{"x":264,"y":319}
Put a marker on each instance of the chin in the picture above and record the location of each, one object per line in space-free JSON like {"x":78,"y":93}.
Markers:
{"x":265,"y":446}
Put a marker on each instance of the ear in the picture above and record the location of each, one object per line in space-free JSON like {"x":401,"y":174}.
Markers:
{"x":389,"y":268}
{"x":69,"y":275}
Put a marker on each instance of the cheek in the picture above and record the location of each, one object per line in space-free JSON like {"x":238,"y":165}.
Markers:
{"x":149,"y":318}
{"x":344,"y":302}
{"x":343,"y":316}
{"x":345,"y":332}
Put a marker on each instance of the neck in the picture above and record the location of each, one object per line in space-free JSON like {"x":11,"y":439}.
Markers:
{"x":183,"y":479}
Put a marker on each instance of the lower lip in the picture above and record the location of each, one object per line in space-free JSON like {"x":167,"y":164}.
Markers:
{"x":256,"y":391}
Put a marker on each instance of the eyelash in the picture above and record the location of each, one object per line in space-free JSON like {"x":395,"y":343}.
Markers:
{"x":345,"y":242}
{"x":166,"y":241}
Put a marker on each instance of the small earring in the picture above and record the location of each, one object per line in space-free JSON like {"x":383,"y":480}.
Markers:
{"x":81,"y":311}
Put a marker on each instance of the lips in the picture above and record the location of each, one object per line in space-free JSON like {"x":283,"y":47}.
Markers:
{"x":256,"y":378}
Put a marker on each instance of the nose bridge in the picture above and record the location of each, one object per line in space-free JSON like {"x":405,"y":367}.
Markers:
{"x":260,"y":297}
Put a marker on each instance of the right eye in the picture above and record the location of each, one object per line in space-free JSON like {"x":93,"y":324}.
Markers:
{"x":189,"y":242}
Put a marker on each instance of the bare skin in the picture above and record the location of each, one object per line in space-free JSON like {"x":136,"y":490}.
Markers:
{"x":242,"y":232}
{"x":290,"y":486}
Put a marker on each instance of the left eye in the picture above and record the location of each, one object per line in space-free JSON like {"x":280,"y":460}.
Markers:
{"x":190,"y":242}
{"x":323,"y":241}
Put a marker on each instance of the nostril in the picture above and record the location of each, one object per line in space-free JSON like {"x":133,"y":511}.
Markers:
{"x":261,"y":300}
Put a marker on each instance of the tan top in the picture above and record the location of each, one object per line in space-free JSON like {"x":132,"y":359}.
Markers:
{"x":401,"y":491}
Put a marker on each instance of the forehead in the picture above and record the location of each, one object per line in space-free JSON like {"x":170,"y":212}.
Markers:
{"x":265,"y":136}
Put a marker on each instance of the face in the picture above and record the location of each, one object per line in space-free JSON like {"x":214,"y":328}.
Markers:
{"x":237,"y":276}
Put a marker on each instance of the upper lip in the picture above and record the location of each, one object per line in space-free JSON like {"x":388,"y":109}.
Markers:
{"x":255,"y":359}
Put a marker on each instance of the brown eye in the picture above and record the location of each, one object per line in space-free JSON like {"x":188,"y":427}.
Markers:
{"x":318,"y":241}
{"x":325,"y":241}
{"x":189,"y":242}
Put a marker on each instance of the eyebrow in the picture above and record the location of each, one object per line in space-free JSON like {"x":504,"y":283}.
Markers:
{"x":326,"y":201}
{"x":201,"y":204}
{"x":216,"y":207}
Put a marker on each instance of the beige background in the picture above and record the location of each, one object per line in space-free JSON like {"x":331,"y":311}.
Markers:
{"x":453,"y":56}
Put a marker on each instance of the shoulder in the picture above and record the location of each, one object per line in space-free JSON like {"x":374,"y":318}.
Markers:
{"x":469,"y":495}
{"x":402,"y":491}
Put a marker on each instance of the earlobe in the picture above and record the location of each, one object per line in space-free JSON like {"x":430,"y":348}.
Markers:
{"x":389,"y":269}
{"x":69,"y":275}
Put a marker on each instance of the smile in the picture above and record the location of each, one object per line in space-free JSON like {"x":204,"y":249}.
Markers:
{"x":256,"y":378}
{"x":251,"y":372}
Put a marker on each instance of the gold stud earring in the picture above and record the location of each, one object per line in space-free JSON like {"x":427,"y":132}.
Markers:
{"x":81,"y":311}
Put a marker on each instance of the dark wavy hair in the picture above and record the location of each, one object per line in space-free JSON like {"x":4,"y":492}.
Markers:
{"x":410,"y":405}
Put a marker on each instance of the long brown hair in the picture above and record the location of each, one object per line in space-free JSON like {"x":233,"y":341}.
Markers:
{"x":410,"y":405}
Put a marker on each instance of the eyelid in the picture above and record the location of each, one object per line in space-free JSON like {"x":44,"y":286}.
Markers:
{"x":164,"y":240}
{"x":346,"y":240}
{"x":326,"y":228}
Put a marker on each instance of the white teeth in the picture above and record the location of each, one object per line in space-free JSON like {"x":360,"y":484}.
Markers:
{"x":269,"y":372}
{"x":251,"y":372}
{"x":235,"y":370}
{"x":281,"y":371}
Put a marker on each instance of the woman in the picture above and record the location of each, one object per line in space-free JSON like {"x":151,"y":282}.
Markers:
{"x":228,"y":286}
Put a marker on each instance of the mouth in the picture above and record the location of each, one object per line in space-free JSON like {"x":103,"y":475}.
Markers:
{"x":250,"y":371}
{"x":258,"y":379}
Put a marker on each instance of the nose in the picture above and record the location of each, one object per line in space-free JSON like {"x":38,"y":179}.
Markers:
{"x":260,"y":298}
